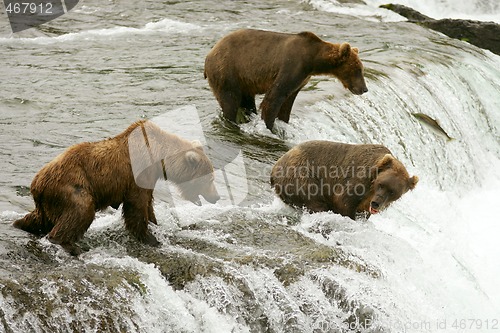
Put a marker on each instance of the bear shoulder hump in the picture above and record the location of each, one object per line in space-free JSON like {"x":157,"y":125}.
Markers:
{"x":310,"y":35}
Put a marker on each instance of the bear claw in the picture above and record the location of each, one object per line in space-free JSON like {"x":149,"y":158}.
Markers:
{"x":150,"y":239}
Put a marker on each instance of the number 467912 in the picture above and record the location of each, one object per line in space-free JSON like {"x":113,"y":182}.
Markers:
{"x":29,"y":8}
{"x":464,"y":324}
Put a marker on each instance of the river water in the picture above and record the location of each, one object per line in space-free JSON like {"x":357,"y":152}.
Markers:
{"x":429,"y":263}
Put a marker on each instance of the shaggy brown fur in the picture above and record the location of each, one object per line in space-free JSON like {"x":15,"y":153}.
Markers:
{"x":91,"y":176}
{"x":249,"y":62}
{"x":343,"y":178}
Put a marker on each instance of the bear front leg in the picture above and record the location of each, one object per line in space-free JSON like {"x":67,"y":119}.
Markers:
{"x":318,"y":206}
{"x":286,"y":108}
{"x":344,"y":205}
{"x":285,"y":85}
{"x":135,"y":213}
{"x":248,"y":104}
{"x":270,"y":108}
{"x":151,"y":212}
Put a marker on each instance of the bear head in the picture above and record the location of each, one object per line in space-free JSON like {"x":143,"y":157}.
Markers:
{"x":391,"y":182}
{"x":196,"y":176}
{"x":348,"y":68}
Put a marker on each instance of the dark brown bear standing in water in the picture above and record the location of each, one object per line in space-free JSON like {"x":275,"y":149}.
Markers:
{"x":343,"y":178}
{"x":250,"y":62}
{"x":91,"y":176}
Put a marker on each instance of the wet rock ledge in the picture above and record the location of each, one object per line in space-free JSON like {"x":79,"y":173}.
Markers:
{"x":485,"y":35}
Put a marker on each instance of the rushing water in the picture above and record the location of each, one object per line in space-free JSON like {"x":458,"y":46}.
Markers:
{"x":430,"y":263}
{"x":481,"y":10}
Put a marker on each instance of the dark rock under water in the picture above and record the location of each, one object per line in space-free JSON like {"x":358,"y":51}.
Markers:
{"x":485,"y":35}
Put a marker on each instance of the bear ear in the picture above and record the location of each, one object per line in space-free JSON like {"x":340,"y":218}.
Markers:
{"x":385,"y":162}
{"x":344,"y":52}
{"x":355,"y":50}
{"x":196,"y":144}
{"x":193,"y":157}
{"x":412,"y":182}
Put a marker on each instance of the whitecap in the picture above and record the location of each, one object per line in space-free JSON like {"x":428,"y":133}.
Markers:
{"x":162,"y":26}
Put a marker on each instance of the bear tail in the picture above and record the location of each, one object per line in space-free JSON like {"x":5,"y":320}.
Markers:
{"x":34,"y":223}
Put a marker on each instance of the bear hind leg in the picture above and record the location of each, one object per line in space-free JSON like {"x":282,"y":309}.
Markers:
{"x":35,"y":223}
{"x":229,"y":101}
{"x":70,"y":226}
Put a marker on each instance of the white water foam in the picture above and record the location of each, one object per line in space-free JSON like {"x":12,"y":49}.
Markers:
{"x":482,"y":10}
{"x":163,"y":309}
{"x":166,"y":25}
{"x":357,"y":10}
{"x":456,"y":238}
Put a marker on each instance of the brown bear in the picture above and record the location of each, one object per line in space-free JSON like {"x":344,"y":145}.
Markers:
{"x":344,"y":178}
{"x":91,"y":176}
{"x":249,"y":62}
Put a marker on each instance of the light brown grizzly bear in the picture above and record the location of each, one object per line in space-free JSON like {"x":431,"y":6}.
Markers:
{"x":91,"y":176}
{"x":343,"y":178}
{"x":250,"y":62}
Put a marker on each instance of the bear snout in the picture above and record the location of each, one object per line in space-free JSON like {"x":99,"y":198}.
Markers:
{"x":211,"y":195}
{"x":213,"y":198}
{"x":358,"y":90}
{"x":374,"y":207}
{"x":356,"y":85}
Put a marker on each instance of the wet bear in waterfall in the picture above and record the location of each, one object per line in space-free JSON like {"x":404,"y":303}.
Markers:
{"x":91,"y":176}
{"x":343,"y":178}
{"x":250,"y":62}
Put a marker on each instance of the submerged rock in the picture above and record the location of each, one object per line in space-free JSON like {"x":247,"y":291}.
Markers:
{"x":485,"y":35}
{"x":247,"y":266}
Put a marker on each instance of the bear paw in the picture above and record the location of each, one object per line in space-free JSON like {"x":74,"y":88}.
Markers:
{"x":149,"y":239}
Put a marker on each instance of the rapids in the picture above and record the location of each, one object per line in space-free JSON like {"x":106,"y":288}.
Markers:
{"x":249,"y":263}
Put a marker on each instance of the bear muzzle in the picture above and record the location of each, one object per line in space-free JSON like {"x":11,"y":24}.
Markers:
{"x":213,"y":198}
{"x":374,"y":207}
{"x":211,"y":194}
{"x":358,"y":90}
